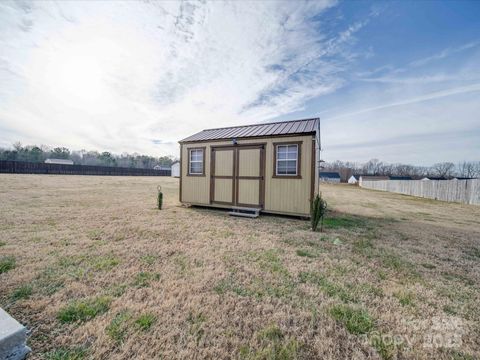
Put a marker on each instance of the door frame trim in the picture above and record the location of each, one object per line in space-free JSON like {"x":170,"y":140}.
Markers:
{"x":235,"y":177}
{"x":213,"y":177}
{"x":260,"y":179}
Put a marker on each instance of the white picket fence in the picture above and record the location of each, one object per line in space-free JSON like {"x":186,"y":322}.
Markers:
{"x":463,"y":191}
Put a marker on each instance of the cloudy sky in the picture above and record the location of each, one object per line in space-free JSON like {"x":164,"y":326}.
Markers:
{"x":399,"y":81}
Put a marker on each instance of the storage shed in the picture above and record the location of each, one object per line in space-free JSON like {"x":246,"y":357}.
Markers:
{"x":176,"y":169}
{"x":271,"y":167}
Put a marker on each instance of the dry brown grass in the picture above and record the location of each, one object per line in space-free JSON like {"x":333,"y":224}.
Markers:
{"x":195,"y":283}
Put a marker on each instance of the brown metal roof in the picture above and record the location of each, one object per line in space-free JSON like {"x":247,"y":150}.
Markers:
{"x":294,"y":127}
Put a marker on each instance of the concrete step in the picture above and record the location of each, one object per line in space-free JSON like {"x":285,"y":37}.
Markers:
{"x":244,"y":214}
{"x":13,"y":338}
{"x":245,"y":209}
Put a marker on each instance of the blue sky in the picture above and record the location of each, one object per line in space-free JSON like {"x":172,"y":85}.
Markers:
{"x":399,"y":81}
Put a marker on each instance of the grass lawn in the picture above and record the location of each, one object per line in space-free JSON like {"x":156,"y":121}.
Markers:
{"x":95,"y":272}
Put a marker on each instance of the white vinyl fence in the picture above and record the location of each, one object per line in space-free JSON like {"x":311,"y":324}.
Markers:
{"x":463,"y":191}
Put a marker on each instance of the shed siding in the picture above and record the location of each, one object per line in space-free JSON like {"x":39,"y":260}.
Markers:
{"x":223,"y":190}
{"x":282,"y":195}
{"x":224,"y":161}
{"x":248,"y":191}
{"x":249,"y":164}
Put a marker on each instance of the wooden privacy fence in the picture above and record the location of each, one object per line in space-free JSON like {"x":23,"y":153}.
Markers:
{"x":22,"y":167}
{"x":463,"y":191}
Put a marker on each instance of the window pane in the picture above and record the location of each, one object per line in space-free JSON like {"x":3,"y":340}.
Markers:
{"x":287,"y":157}
{"x":196,"y":155}
{"x":292,"y":152}
{"x":281,"y":167}
{"x":196,"y":167}
{"x":282,"y":152}
{"x":291,"y":167}
{"x":287,"y":167}
{"x":292,"y":156}
{"x":196,"y":161}
{"x":287,"y":152}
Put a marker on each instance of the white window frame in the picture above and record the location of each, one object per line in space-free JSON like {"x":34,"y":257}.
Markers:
{"x":278,"y":146}
{"x":190,"y":161}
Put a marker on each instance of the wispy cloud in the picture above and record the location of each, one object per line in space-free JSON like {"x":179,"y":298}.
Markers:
{"x":426,"y":97}
{"x":444,"y":53}
{"x":423,"y":79}
{"x":116,"y":76}
{"x":391,"y":73}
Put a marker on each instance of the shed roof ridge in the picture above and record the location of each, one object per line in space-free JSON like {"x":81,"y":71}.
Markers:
{"x":261,"y":124}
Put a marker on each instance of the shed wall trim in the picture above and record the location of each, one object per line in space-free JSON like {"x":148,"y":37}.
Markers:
{"x":204,"y":149}
{"x":299,"y":160}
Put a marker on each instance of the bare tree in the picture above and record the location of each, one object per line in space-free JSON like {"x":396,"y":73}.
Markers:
{"x":468,"y":169}
{"x":444,"y":169}
{"x":377,"y":167}
{"x":372,"y":167}
{"x":477,"y":169}
{"x":385,"y":169}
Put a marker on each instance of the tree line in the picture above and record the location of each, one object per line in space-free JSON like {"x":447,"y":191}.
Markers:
{"x":466,"y":169}
{"x":34,"y":153}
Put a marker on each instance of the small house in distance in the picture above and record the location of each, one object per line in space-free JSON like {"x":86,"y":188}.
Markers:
{"x":330,"y":177}
{"x":176,"y":169}
{"x":59,"y":161}
{"x":353,"y":179}
{"x":270,"y":167}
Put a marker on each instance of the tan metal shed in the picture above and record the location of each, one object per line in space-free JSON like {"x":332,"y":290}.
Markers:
{"x":272,"y":167}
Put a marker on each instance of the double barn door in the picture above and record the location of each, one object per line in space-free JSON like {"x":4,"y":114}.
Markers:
{"x":237,"y":175}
